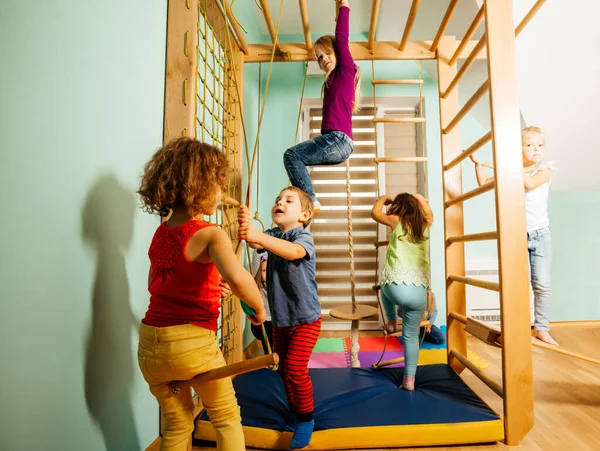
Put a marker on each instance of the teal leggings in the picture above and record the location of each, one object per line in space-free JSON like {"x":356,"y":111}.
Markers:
{"x":412,"y":299}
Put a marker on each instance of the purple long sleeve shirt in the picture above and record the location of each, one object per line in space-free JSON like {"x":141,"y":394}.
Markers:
{"x":339,"y":92}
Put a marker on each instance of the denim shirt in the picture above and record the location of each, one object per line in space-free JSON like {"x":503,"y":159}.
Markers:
{"x":292,"y":284}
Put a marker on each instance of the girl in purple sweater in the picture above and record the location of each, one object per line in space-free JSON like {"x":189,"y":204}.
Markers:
{"x":341,"y":92}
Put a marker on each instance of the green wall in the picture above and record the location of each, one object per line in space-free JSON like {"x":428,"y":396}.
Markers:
{"x":82,"y":106}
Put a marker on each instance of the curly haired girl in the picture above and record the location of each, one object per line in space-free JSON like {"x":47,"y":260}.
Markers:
{"x":183,"y":181}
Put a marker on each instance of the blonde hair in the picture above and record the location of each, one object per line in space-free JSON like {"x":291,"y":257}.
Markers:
{"x":532,"y":129}
{"x":327,"y":43}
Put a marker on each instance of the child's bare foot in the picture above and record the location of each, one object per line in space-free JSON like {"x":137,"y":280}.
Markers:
{"x":408,"y":383}
{"x":391,"y":326}
{"x":545,"y":336}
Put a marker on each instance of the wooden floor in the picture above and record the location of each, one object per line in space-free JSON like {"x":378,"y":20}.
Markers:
{"x":567,"y":395}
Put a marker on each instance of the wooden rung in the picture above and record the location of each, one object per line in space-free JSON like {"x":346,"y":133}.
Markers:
{"x":541,"y":344}
{"x":473,"y":237}
{"x":494,"y":386}
{"x":472,"y":149}
{"x":483,"y":89}
{"x":475,"y":192}
{"x":397,"y":82}
{"x":458,"y":317}
{"x":476,"y":282}
{"x":398,"y":120}
{"x":381,"y":243}
{"x":401,"y":160}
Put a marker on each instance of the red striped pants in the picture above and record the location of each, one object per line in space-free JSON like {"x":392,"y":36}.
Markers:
{"x":294,"y":345}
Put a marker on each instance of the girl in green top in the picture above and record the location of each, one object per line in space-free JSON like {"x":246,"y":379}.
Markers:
{"x":405,"y":277}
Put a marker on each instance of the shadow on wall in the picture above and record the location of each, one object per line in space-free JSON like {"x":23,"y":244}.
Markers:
{"x":107,"y":226}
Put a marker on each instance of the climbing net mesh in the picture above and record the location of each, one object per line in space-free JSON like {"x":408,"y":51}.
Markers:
{"x":217,"y":120}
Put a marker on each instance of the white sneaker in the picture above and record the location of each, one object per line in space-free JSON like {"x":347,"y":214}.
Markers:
{"x":316,"y":207}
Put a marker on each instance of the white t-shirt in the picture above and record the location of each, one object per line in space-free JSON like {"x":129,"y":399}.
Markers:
{"x":536,"y":206}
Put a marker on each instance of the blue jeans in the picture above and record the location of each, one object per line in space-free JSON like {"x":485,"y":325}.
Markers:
{"x":436,"y":336}
{"x":539,"y":244}
{"x":333,"y":147}
{"x":413,"y":300}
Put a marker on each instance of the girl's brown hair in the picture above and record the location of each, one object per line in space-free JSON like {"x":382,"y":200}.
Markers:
{"x":408,"y":209}
{"x":183,"y":173}
{"x":327,"y":43}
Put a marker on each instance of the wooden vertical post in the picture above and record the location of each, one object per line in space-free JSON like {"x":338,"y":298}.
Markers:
{"x":517,"y":374}
{"x":453,"y":215}
{"x":180,"y":70}
{"x":236,"y":180}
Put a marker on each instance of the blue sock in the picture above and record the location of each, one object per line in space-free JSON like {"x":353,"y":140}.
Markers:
{"x":303,"y":434}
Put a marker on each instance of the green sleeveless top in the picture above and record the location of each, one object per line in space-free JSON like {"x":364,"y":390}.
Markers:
{"x":405,"y":261}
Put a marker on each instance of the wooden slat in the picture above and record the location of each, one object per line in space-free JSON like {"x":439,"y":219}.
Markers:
{"x":510,"y":220}
{"x":465,"y":66}
{"x":468,"y":35}
{"x":373,"y":24}
{"x":472,"y":149}
{"x":494,"y":386}
{"x":239,"y":34}
{"x":305,"y":24}
{"x":483,"y":89}
{"x":453,"y":215}
{"x":532,"y":12}
{"x":397,"y":82}
{"x":398,"y":120}
{"x":401,"y":160}
{"x":470,"y":194}
{"x":473,"y":237}
{"x":445,"y":21}
{"x":269,"y":21}
{"x":410,"y":21}
{"x":179,"y":112}
{"x":493,"y":286}
{"x":382,"y":50}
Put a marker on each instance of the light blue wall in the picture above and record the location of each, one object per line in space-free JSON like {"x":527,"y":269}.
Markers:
{"x":82,"y":106}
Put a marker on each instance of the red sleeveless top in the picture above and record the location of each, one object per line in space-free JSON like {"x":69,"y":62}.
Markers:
{"x":181,"y":291}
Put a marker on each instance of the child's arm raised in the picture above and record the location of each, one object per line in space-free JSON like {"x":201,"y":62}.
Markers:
{"x":258,"y":240}
{"x":482,"y":177}
{"x":425,"y":207}
{"x":342,"y":36}
{"x":378,"y":215}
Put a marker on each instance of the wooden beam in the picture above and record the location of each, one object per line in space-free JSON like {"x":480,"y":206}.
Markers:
{"x":410,"y":21}
{"x":305,"y":24}
{"x":493,"y":286}
{"x":483,"y":89}
{"x":239,"y":34}
{"x":398,"y":120}
{"x":180,"y":73}
{"x":532,"y":12}
{"x":373,"y":25}
{"x":397,"y":82}
{"x":517,"y":371}
{"x":445,"y":21}
{"x":494,"y":386}
{"x":467,"y":37}
{"x":269,"y":21}
{"x":401,"y":160}
{"x":482,"y":236}
{"x":470,"y":194}
{"x":465,"y":66}
{"x":453,"y":215}
{"x":471,"y":149}
{"x":382,"y":50}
